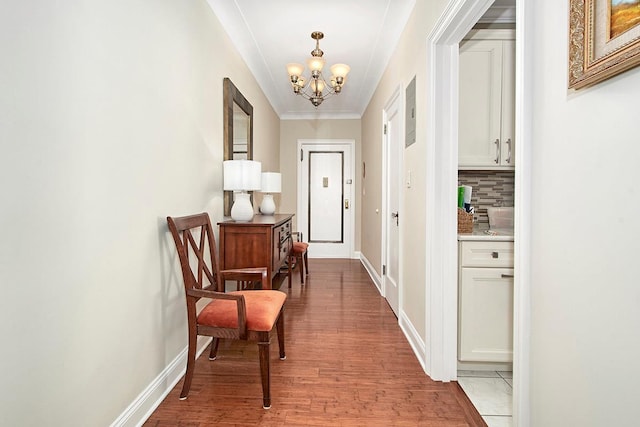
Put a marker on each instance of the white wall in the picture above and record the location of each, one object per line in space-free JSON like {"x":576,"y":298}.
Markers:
{"x":110,"y":120}
{"x":585,"y":293}
{"x":408,"y":60}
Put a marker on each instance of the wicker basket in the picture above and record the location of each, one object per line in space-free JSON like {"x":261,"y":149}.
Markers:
{"x":465,"y":221}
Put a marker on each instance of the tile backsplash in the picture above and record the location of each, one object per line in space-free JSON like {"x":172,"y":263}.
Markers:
{"x":490,"y":188}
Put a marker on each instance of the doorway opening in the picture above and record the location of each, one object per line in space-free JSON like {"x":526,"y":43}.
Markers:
{"x":441,"y":196}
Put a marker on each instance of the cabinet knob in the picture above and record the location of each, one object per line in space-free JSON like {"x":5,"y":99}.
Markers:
{"x":495,"y":254}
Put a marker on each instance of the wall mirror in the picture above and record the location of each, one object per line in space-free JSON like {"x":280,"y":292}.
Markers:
{"x":238,"y":131}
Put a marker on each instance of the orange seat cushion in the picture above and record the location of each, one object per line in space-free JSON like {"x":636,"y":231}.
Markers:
{"x":263,"y":307}
{"x":300,"y":247}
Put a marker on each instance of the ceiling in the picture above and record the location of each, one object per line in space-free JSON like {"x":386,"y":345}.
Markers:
{"x":270,"y":34}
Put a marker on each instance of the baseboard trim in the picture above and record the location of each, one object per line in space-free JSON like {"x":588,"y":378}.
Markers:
{"x":415,"y":341}
{"x":377,"y":280}
{"x":143,"y":406}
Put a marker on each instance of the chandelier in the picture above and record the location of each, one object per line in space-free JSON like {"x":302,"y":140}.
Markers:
{"x":315,"y":90}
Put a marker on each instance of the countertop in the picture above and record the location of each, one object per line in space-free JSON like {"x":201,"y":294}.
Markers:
{"x":482,"y":232}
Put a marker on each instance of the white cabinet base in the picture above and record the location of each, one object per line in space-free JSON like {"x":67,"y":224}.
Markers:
{"x":486,"y":313}
{"x":485,"y":302}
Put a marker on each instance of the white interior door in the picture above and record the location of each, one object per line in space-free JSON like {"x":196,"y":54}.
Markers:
{"x":393,"y":188}
{"x":325,"y":197}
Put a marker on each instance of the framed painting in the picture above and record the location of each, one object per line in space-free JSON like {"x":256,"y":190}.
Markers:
{"x":604,"y":39}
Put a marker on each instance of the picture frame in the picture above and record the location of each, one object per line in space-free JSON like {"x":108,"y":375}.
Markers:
{"x":599,"y":50}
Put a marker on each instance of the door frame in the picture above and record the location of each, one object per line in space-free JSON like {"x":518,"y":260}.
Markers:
{"x":395,"y":97}
{"x":441,"y":180}
{"x":349,"y":190}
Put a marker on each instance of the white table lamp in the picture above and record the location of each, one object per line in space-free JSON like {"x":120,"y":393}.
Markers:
{"x":241,"y":176}
{"x":271,"y":183}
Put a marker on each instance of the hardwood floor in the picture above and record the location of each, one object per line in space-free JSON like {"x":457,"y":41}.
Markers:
{"x":348,"y":364}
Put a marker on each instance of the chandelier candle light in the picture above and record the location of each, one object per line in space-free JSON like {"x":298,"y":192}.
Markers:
{"x":314,"y":91}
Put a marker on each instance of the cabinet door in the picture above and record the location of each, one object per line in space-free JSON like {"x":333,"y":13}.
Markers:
{"x":244,"y":246}
{"x":480,"y":102}
{"x":507,"y":129}
{"x":486,"y":315}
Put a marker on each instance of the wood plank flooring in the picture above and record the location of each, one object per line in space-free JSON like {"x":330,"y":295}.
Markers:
{"x":348,"y":364}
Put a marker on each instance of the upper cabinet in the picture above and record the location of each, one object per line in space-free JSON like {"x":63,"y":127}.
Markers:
{"x":486,"y":138}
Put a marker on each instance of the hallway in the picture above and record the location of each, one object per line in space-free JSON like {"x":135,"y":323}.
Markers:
{"x":347,"y":364}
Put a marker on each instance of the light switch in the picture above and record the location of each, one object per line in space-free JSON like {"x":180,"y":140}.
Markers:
{"x":325,"y":181}
{"x":408,"y":179}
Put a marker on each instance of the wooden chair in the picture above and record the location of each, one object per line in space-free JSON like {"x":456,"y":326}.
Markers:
{"x":241,"y":315}
{"x":298,"y":257}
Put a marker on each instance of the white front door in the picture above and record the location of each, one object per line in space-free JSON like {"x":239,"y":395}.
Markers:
{"x":326,"y":197}
{"x":393,"y":187}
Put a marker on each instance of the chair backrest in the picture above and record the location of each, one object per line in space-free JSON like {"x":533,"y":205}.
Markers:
{"x":193,"y":234}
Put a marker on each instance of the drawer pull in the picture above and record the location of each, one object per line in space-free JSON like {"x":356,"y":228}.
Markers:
{"x":506,"y":276}
{"x":495,"y":255}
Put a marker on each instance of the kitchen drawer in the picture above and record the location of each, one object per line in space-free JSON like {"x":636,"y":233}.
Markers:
{"x":486,"y":254}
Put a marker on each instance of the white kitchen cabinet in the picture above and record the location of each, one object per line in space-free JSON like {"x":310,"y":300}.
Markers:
{"x":486,"y":132}
{"x":485,"y":302}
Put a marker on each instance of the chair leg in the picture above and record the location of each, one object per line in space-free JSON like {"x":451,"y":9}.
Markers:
{"x":191,"y":364}
{"x":299,"y":262}
{"x":214,"y":348}
{"x":280,"y":331}
{"x":306,"y":262}
{"x":263,"y":346}
{"x":289,"y":261}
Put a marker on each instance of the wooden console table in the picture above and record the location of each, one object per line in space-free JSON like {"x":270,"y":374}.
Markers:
{"x":264,"y":241}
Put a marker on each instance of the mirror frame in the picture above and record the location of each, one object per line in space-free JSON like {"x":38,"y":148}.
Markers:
{"x":231,"y":97}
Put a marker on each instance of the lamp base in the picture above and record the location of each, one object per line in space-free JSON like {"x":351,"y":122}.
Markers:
{"x":268,"y":206}
{"x":242,"y":210}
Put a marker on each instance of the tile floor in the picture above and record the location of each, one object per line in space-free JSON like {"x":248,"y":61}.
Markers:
{"x":491,"y":394}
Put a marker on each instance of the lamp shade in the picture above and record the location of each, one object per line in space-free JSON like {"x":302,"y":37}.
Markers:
{"x":340,"y":70}
{"x":242,"y":175}
{"x":295,"y":69}
{"x":271,"y":182}
{"x":315,"y":63}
